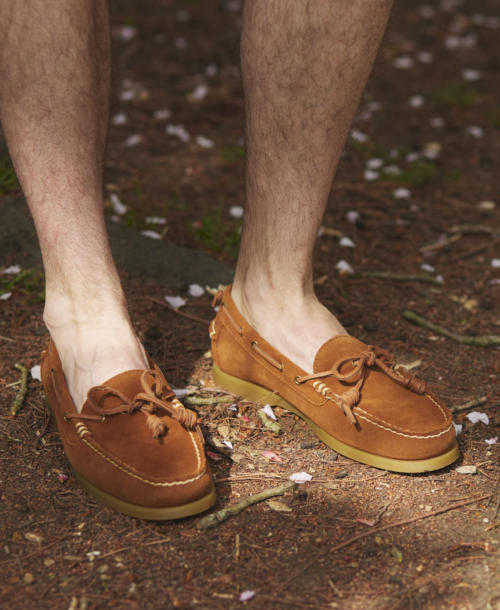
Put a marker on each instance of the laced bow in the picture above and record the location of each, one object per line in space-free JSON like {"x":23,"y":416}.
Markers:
{"x":369,"y":358}
{"x":156,"y":397}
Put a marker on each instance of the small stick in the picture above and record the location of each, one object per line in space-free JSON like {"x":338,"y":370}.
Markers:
{"x":235,"y":509}
{"x":474,"y":251}
{"x":439,"y":511}
{"x":474,"y":229}
{"x":18,"y":401}
{"x":208,"y":400}
{"x":475,"y":402}
{"x":397,"y":277}
{"x":441,"y":244}
{"x":477,"y":340}
{"x":180,"y":313}
{"x":268,"y":423}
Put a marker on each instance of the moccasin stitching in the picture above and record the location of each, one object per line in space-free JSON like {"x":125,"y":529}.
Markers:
{"x":124,"y":468}
{"x":406,"y":435}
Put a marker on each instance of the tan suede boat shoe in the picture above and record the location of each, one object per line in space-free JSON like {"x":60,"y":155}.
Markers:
{"x":134,"y":447}
{"x":357,"y":400}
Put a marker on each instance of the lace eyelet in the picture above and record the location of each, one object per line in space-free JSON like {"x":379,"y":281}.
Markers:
{"x":253,"y":343}
{"x":296,"y":380}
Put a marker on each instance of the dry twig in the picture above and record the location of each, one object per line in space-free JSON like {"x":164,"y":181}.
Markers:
{"x":439,"y":511}
{"x":180,"y":313}
{"x":475,"y":402}
{"x":235,"y":509}
{"x":477,"y":340}
{"x":18,"y":401}
{"x":398,"y":277}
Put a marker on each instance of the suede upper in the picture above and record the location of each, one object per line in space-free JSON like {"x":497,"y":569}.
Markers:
{"x":388,"y":420}
{"x":118,"y":452}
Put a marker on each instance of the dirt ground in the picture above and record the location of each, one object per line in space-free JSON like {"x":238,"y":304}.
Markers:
{"x":353,"y":537}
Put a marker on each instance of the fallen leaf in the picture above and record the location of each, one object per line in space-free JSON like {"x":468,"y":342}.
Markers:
{"x":271,"y":456}
{"x":468,"y":469}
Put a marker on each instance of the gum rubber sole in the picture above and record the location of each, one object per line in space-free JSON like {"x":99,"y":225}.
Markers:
{"x":256,"y":393}
{"x":166,"y":513}
{"x":146,"y":512}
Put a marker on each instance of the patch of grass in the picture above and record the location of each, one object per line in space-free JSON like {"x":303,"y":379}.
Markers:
{"x":455,"y":94}
{"x":29,"y":282}
{"x":233,"y":154}
{"x":8,"y":178}
{"x":219,"y":234}
{"x":416,"y":174}
{"x":130,"y":219}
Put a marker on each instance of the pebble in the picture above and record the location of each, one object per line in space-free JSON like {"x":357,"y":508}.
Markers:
{"x":466,"y":469}
{"x":28,"y":578}
{"x":486,"y":206}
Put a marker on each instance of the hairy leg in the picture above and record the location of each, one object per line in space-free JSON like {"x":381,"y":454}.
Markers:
{"x":54,"y":89}
{"x":305,"y":64}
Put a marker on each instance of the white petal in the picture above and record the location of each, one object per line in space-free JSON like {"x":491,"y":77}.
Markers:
{"x":416,"y":101}
{"x":476,"y":416}
{"x":370,"y":175}
{"x":375,"y":163}
{"x":195,"y":290}
{"x":120,"y":119}
{"x":495,"y":263}
{"x":346,"y":242}
{"x":359,"y":136}
{"x":133,"y":140}
{"x":12,"y":270}
{"x":162,"y":114}
{"x":491,"y":441}
{"x":403,"y":62}
{"x":401,"y":193}
{"x":199,"y":93}
{"x":246,"y":595}
{"x":458,"y":428}
{"x":236,"y":211}
{"x":204,"y":142}
{"x":35,"y":373}
{"x":151,"y":234}
{"x":343,"y":267}
{"x":5,"y":296}
{"x":118,"y":207}
{"x":471,"y":75}
{"x":300,"y":477}
{"x":175,"y":302}
{"x":179,"y":132}
{"x":352,"y":216}
{"x":269,"y":412}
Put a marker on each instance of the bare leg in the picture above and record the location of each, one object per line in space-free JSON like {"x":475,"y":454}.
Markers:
{"x":54,"y":88}
{"x":305,"y":64}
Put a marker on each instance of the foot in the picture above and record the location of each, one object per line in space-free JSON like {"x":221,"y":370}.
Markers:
{"x":297,"y":327}
{"x":93,"y":347}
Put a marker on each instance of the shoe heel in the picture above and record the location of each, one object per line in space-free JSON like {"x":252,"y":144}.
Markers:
{"x":245,"y":389}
